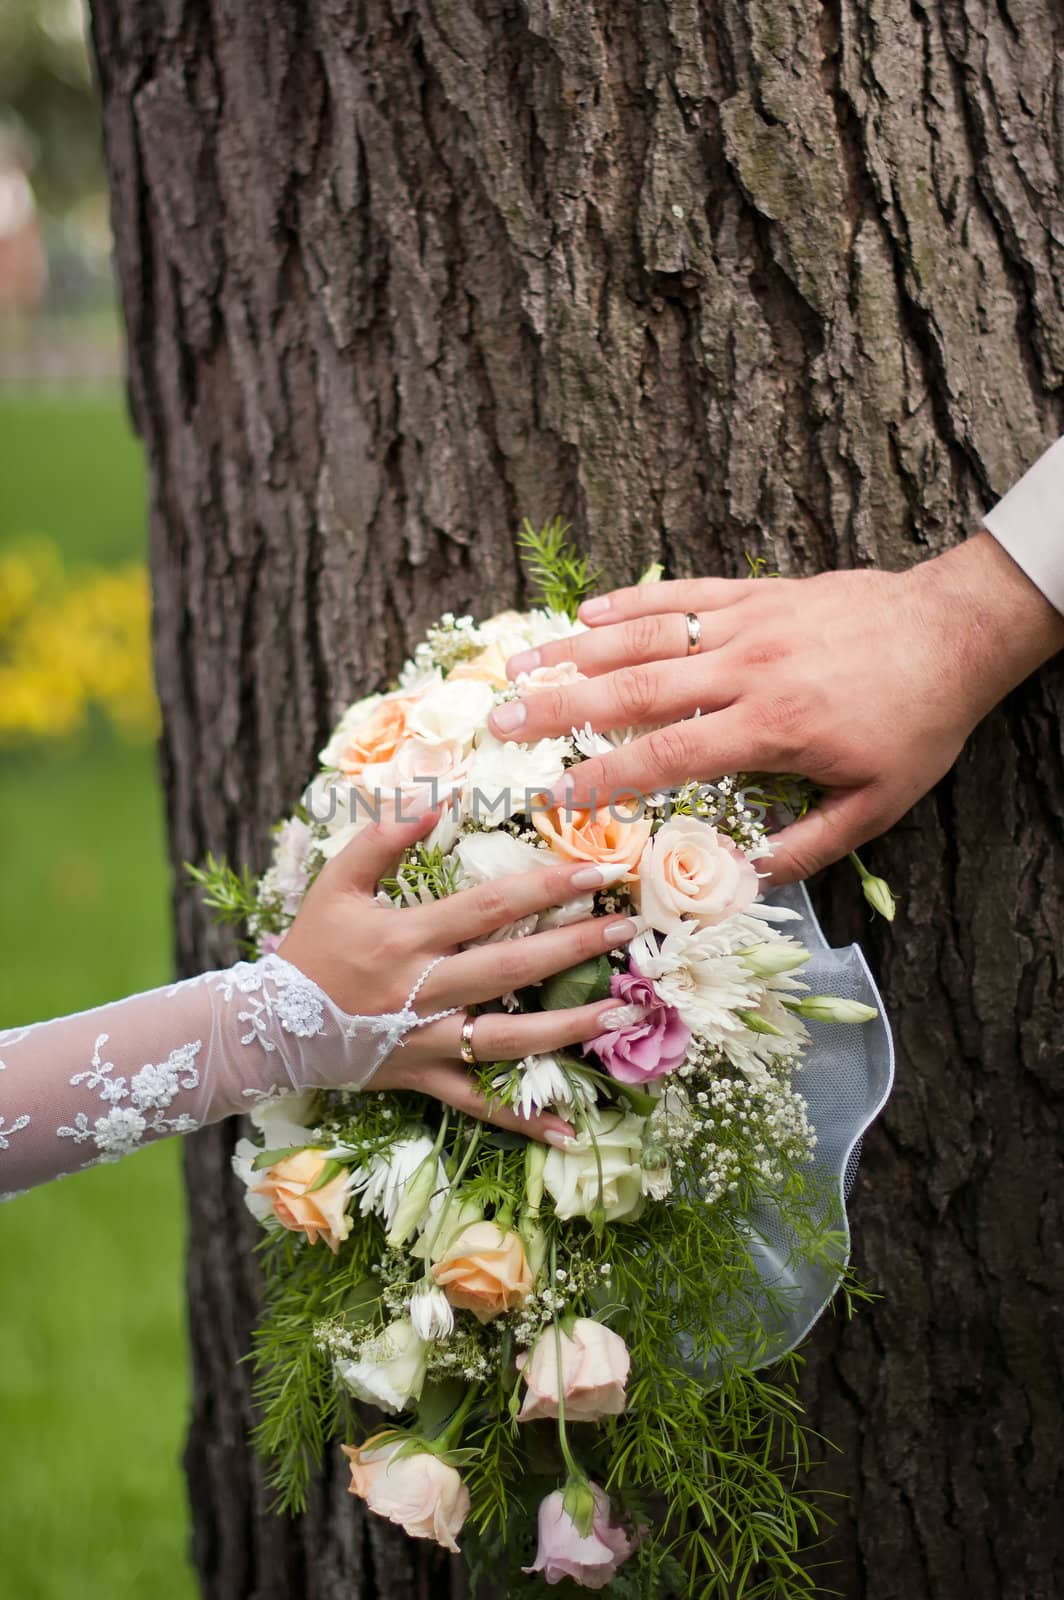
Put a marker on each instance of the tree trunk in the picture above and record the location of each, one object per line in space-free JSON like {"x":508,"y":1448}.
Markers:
{"x":772,"y":278}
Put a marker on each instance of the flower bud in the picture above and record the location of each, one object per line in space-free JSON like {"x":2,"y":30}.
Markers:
{"x":578,"y":1502}
{"x":775,"y":956}
{"x":535,"y":1160}
{"x":756,"y":1024}
{"x":830,"y":1008}
{"x":877,"y":893}
{"x":413,"y":1207}
{"x":430,"y":1313}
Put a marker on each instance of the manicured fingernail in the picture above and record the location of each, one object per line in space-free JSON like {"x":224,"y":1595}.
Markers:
{"x":592,"y":609}
{"x":624,"y":1016}
{"x":598,"y":877}
{"x":621,"y":931}
{"x":509,"y":717}
{"x":526,"y":661}
{"x":560,"y":1141}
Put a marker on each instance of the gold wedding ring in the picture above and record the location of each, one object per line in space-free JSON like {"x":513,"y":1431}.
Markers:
{"x":694,"y":634}
{"x":466,"y":1046}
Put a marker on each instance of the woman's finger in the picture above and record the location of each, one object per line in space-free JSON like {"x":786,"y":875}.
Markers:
{"x":453,"y":1085}
{"x":648,"y":599}
{"x":475,"y":913}
{"x":652,"y":638}
{"x":510,"y":1036}
{"x":662,"y":691}
{"x":489,"y":971}
{"x":376,"y":849}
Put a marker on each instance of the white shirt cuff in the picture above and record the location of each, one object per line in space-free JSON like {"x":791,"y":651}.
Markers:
{"x":1029,"y":524}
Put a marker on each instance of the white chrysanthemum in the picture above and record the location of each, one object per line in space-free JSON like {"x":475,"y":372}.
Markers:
{"x":505,"y":779}
{"x":431,"y":1313}
{"x":590,"y":744}
{"x":380,"y":1183}
{"x":545,"y":1082}
{"x":699,"y":971}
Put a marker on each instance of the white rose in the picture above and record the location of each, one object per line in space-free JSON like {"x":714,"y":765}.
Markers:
{"x":690,"y":870}
{"x":241,"y":1161}
{"x":420,"y":768}
{"x":335,"y":804}
{"x":505,"y":778}
{"x":486,"y":856}
{"x":454,"y":711}
{"x":389,"y":1371}
{"x":282,"y":1121}
{"x":420,"y":1493}
{"x":571,"y":1176}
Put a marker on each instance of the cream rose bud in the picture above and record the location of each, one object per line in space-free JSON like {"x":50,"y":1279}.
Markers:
{"x":690,"y":870}
{"x":485,"y":856}
{"x":419,"y":1492}
{"x":594,"y":1370}
{"x":606,"y":1154}
{"x":389,"y":1370}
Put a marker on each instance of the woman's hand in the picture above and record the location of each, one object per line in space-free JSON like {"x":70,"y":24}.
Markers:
{"x":367,"y":956}
{"x":866,"y":682}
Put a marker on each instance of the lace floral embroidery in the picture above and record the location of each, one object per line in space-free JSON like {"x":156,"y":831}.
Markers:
{"x":294,"y":1000}
{"x":137,"y":1105}
{"x":15,"y":1127}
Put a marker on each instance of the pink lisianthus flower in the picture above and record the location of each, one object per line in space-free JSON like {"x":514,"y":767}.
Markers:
{"x":644,"y":1050}
{"x":563,"y":1552}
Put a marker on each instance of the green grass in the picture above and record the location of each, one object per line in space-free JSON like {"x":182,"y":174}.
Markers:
{"x":93,"y":1360}
{"x":71,"y":469}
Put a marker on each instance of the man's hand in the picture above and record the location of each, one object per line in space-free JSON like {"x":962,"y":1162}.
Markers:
{"x":866,"y":682}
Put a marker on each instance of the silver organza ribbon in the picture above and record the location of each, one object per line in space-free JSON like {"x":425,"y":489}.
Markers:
{"x":845,"y":1078}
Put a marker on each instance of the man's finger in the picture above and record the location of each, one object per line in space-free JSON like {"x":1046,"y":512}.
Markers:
{"x":649,"y":599}
{"x":702,"y":748}
{"x":659,"y":692}
{"x":840,"y":823}
{"x":651,"y":638}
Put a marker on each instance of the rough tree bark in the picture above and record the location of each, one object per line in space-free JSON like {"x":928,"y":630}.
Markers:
{"x":773,"y":277}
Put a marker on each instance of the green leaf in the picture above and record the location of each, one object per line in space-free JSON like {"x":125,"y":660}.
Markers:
{"x":326,"y":1175}
{"x":577,"y":986}
{"x":438,"y":1404}
{"x":270,"y":1158}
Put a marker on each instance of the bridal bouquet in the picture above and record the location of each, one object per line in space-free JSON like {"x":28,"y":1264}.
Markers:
{"x":566,"y":1343}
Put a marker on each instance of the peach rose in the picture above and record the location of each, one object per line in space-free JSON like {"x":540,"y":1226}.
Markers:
{"x":374,"y":739}
{"x":562,"y":672}
{"x":420,"y":1493}
{"x":484,"y":1271}
{"x":690,"y":870}
{"x":594,"y":1370}
{"x":614,"y":836}
{"x":321,"y":1215}
{"x":488,"y":667}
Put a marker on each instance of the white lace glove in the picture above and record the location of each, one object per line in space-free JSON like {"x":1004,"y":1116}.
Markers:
{"x":94,"y":1086}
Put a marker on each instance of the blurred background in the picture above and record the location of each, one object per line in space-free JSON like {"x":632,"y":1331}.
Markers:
{"x":93,"y":1379}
